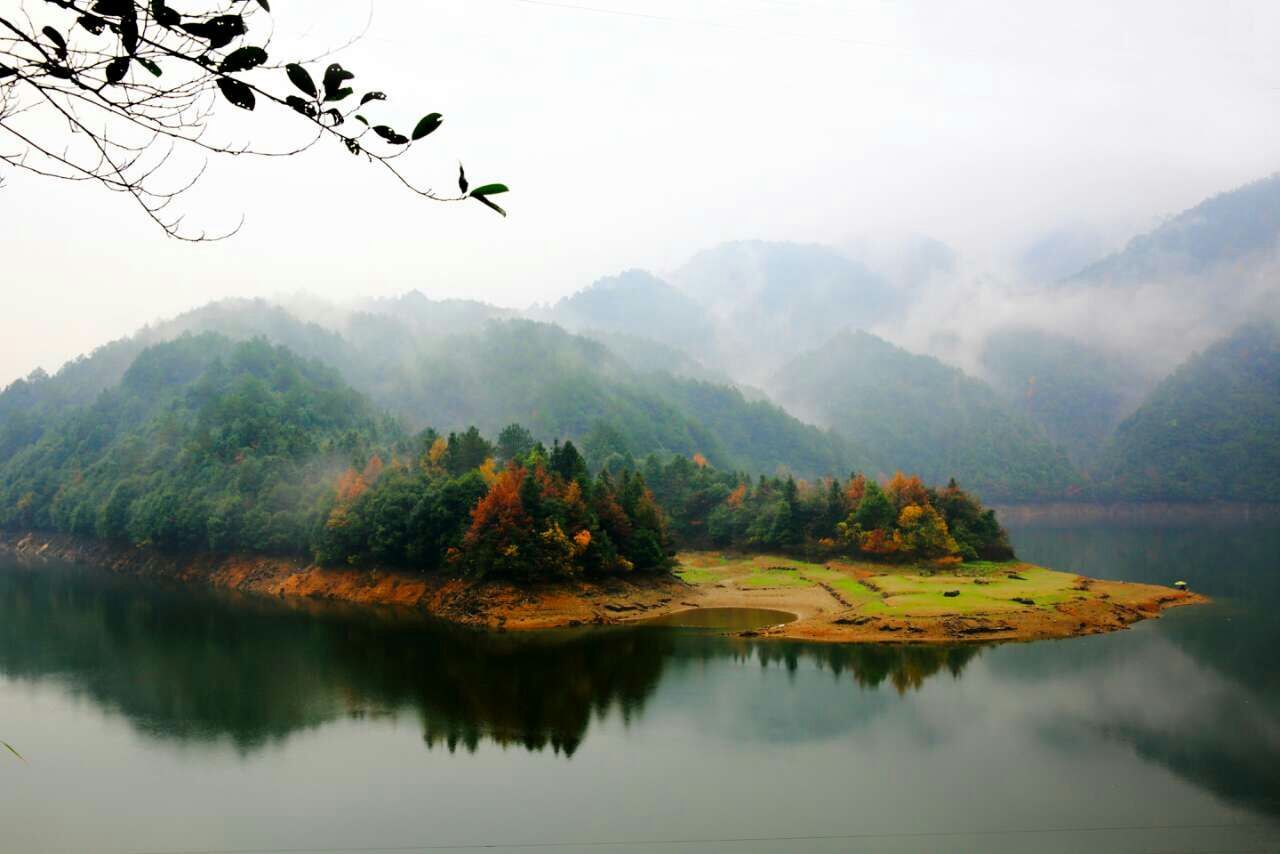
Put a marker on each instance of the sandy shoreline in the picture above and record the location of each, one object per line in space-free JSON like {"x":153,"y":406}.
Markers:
{"x":826,"y":611}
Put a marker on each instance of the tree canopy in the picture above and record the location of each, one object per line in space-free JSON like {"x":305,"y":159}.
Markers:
{"x":208,"y":445}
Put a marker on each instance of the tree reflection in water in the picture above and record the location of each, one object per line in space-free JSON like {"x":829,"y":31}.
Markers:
{"x":193,"y":665}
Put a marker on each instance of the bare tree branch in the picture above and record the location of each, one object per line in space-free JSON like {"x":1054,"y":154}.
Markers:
{"x":116,"y":91}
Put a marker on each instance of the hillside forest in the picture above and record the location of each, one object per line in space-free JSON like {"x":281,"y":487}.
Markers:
{"x":212,"y":445}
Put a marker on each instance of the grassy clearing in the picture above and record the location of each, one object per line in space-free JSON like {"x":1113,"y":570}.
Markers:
{"x":923,"y":595}
{"x":899,"y":591}
{"x":694,"y":575}
{"x":763,"y":577}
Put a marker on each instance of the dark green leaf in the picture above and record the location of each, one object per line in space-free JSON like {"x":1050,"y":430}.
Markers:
{"x":266,"y":7}
{"x":301,"y":78}
{"x":489,"y":190}
{"x":163,"y":15}
{"x":335,"y":117}
{"x":129,"y":35}
{"x":115,"y":8}
{"x":6,"y":71}
{"x":362,"y":119}
{"x":117,"y":68}
{"x":59,"y":43}
{"x":428,"y":124}
{"x":237,"y":92}
{"x":352,"y":145}
{"x":9,"y":747}
{"x":218,"y":32}
{"x":307,"y":108}
{"x":92,"y":23}
{"x":334,"y":76}
{"x":484,"y":201}
{"x":390,"y":135}
{"x":149,"y":65}
{"x":372,"y":96}
{"x":243,"y":59}
{"x":462,"y":180}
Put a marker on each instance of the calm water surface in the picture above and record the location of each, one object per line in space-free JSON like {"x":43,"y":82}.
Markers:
{"x":157,"y":719}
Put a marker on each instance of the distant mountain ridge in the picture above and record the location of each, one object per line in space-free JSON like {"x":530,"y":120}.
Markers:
{"x":913,"y":411}
{"x":490,"y":373}
{"x":1230,"y":227}
{"x":636,"y":362}
{"x":1211,"y":431}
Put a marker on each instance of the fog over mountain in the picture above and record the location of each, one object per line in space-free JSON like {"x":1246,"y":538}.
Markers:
{"x":899,"y":354}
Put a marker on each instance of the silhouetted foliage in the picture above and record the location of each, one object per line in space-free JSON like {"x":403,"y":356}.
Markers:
{"x":110,"y":91}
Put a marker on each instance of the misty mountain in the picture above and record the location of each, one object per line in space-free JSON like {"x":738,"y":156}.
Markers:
{"x":1059,"y":253}
{"x":647,"y":356}
{"x":636,"y":303}
{"x":1236,"y":227}
{"x":1210,"y":431}
{"x":203,"y":444}
{"x":914,"y":412}
{"x":561,"y":385}
{"x":557,"y":384}
{"x":771,"y":301}
{"x":27,"y":404}
{"x":424,"y":316}
{"x":1076,"y":392}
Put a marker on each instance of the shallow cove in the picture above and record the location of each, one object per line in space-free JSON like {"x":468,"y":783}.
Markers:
{"x":725,"y":619}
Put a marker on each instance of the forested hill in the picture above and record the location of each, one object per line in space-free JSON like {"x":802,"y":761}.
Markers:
{"x":497,"y":372}
{"x":1210,"y":431}
{"x":1076,"y":392}
{"x":208,"y":445}
{"x":204,"y":444}
{"x":1231,"y":227}
{"x":773,"y":300}
{"x":567,"y":386}
{"x":27,"y":404}
{"x":913,"y":412}
{"x":636,"y":303}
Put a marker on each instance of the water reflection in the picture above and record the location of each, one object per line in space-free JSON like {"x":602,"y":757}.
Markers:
{"x":191,"y":665}
{"x":1198,"y":691}
{"x":1194,"y":694}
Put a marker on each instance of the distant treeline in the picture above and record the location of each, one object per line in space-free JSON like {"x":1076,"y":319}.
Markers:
{"x":208,"y":445}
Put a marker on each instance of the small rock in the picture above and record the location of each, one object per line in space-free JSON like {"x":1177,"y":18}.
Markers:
{"x":951,"y":594}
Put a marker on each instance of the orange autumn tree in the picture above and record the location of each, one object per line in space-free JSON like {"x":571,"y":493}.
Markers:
{"x":498,"y":539}
{"x":855,"y":490}
{"x":904,"y":490}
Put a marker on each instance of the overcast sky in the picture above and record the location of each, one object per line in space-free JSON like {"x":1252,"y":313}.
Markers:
{"x":635,"y":132}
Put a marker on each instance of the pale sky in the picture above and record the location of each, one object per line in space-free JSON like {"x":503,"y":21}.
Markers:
{"x":635,"y":132}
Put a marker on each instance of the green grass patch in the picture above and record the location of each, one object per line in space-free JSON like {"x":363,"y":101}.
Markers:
{"x":923,"y":595}
{"x":776,"y":578}
{"x":695,"y":575}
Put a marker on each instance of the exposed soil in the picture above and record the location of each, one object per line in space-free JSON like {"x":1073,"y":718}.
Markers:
{"x":838,"y":604}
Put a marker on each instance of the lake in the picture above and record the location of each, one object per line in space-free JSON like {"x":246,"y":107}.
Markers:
{"x":164,"y":719}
